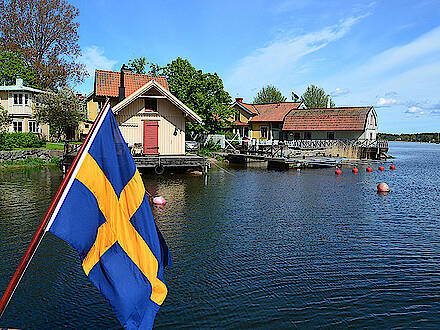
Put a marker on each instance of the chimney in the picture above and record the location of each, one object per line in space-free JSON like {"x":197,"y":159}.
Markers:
{"x":124,"y":69}
{"x":239,"y":99}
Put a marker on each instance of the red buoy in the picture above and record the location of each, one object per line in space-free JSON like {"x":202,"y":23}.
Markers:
{"x":392,"y":167}
{"x":338,"y":171}
{"x":383,"y":187}
{"x":355,"y":170}
{"x":381,"y":168}
{"x":369,"y":169}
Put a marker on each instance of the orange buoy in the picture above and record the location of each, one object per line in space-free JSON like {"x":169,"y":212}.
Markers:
{"x":383,"y":187}
{"x":338,"y":171}
{"x":369,"y":169}
{"x":392,"y":167}
{"x":381,"y":168}
{"x":355,"y":170}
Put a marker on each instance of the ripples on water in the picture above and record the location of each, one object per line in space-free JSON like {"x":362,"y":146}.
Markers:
{"x":256,"y":249}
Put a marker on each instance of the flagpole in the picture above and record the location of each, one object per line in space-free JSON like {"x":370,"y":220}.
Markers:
{"x":36,"y":240}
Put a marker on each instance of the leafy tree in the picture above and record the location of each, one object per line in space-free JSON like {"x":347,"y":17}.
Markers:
{"x":46,"y":34}
{"x":202,"y":92}
{"x":63,"y":111}
{"x":13,"y":65}
{"x":5,"y":120}
{"x":316,"y":97}
{"x":138,"y":65}
{"x":269,"y":94}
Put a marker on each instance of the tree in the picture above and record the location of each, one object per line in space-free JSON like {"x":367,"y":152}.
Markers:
{"x":202,"y":92}
{"x":46,"y":34}
{"x":5,"y":120}
{"x":316,"y":97}
{"x":269,"y":94}
{"x":138,"y":65}
{"x":63,"y":111}
{"x":13,"y":65}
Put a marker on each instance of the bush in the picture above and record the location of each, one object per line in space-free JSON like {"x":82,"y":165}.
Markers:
{"x":11,"y":141}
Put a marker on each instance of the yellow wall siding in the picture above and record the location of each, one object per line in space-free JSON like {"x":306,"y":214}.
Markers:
{"x":131,"y":118}
{"x":92,"y":109}
{"x":256,"y":130}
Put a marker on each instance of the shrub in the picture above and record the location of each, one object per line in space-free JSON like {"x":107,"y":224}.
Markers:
{"x":11,"y":141}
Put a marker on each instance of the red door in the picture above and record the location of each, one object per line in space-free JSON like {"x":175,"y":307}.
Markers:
{"x":151,"y":133}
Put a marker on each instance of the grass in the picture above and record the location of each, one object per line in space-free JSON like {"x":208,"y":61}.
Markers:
{"x":30,"y":162}
{"x":54,"y":146}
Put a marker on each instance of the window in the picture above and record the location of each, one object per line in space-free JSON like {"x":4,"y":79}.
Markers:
{"x":20,"y":98}
{"x":263,"y":132}
{"x":307,"y":135}
{"x":330,"y":136}
{"x":237,"y":116}
{"x":151,"y":105}
{"x":18,"y":126}
{"x":296,"y":136}
{"x":33,"y":126}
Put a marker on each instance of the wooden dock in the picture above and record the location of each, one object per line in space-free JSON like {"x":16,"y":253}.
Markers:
{"x":158,"y":163}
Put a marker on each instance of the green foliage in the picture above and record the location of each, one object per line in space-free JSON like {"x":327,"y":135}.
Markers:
{"x":269,"y":94}
{"x":208,"y":148}
{"x":13,"y":65}
{"x":5,"y":120}
{"x":202,"y":92}
{"x":31,"y":162}
{"x":18,"y":140}
{"x":417,"y":137}
{"x":138,"y":65}
{"x":316,"y":97}
{"x":62,"y":111}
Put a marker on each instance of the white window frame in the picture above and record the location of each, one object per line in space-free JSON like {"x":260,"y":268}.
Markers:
{"x":17,"y":122}
{"x":36,"y":126}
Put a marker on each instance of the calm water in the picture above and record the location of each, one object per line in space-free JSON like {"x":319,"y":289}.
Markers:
{"x":254,"y":249}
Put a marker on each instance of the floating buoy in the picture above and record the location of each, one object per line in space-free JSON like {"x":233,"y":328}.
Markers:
{"x":383,"y":187}
{"x":338,"y":171}
{"x":369,"y":169}
{"x":159,"y":200}
{"x":392,"y":167}
{"x":381,"y":168}
{"x":355,"y":170}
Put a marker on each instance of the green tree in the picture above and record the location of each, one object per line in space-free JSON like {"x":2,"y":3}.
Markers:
{"x":63,"y":111}
{"x":45,"y":32}
{"x":138,"y":65}
{"x":269,"y":94}
{"x":202,"y":92}
{"x":5,"y":120}
{"x":13,"y":65}
{"x":316,"y":97}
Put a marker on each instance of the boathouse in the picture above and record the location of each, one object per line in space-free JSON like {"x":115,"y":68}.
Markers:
{"x":263,"y":122}
{"x":342,"y":123}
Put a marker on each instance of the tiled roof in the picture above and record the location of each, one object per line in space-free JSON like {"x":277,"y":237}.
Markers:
{"x":273,"y":111}
{"x":107,"y":82}
{"x":250,"y":108}
{"x":335,"y":119}
{"x":239,"y":123}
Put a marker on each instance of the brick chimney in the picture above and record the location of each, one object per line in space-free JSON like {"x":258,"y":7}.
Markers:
{"x":124,"y":69}
{"x":239,"y":99}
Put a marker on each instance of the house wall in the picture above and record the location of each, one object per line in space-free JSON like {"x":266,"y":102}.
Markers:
{"x":92,"y":110}
{"x":244,"y":116}
{"x":323,"y":135}
{"x":371,"y":126}
{"x":131,"y":118}
{"x":255,"y":134}
{"x":4,"y":99}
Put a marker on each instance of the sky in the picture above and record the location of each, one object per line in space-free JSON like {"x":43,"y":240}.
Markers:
{"x":362,"y":53}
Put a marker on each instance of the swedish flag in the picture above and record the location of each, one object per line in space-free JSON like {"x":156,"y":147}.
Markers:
{"x":105,"y":215}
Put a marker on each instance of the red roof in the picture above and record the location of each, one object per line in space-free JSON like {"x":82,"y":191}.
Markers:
{"x":334,"y":119}
{"x":250,"y":108}
{"x":273,"y":111}
{"x":239,"y":123}
{"x":107,"y":82}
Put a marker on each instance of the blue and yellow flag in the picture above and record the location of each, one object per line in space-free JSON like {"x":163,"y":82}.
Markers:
{"x":105,"y":215}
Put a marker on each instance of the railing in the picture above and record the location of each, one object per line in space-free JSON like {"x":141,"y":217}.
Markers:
{"x":322,"y":144}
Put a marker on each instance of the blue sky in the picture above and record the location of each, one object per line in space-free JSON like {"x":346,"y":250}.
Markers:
{"x":381,"y":53}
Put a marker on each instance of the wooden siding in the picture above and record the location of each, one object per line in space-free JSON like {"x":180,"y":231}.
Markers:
{"x":130,"y":120}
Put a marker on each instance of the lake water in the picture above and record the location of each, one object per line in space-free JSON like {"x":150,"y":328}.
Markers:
{"x":253,"y":249}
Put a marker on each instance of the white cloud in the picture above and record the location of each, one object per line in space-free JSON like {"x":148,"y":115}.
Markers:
{"x":386,"y":102}
{"x":271,"y":64}
{"x":339,"y":91}
{"x":93,"y":58}
{"x":415,"y":111}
